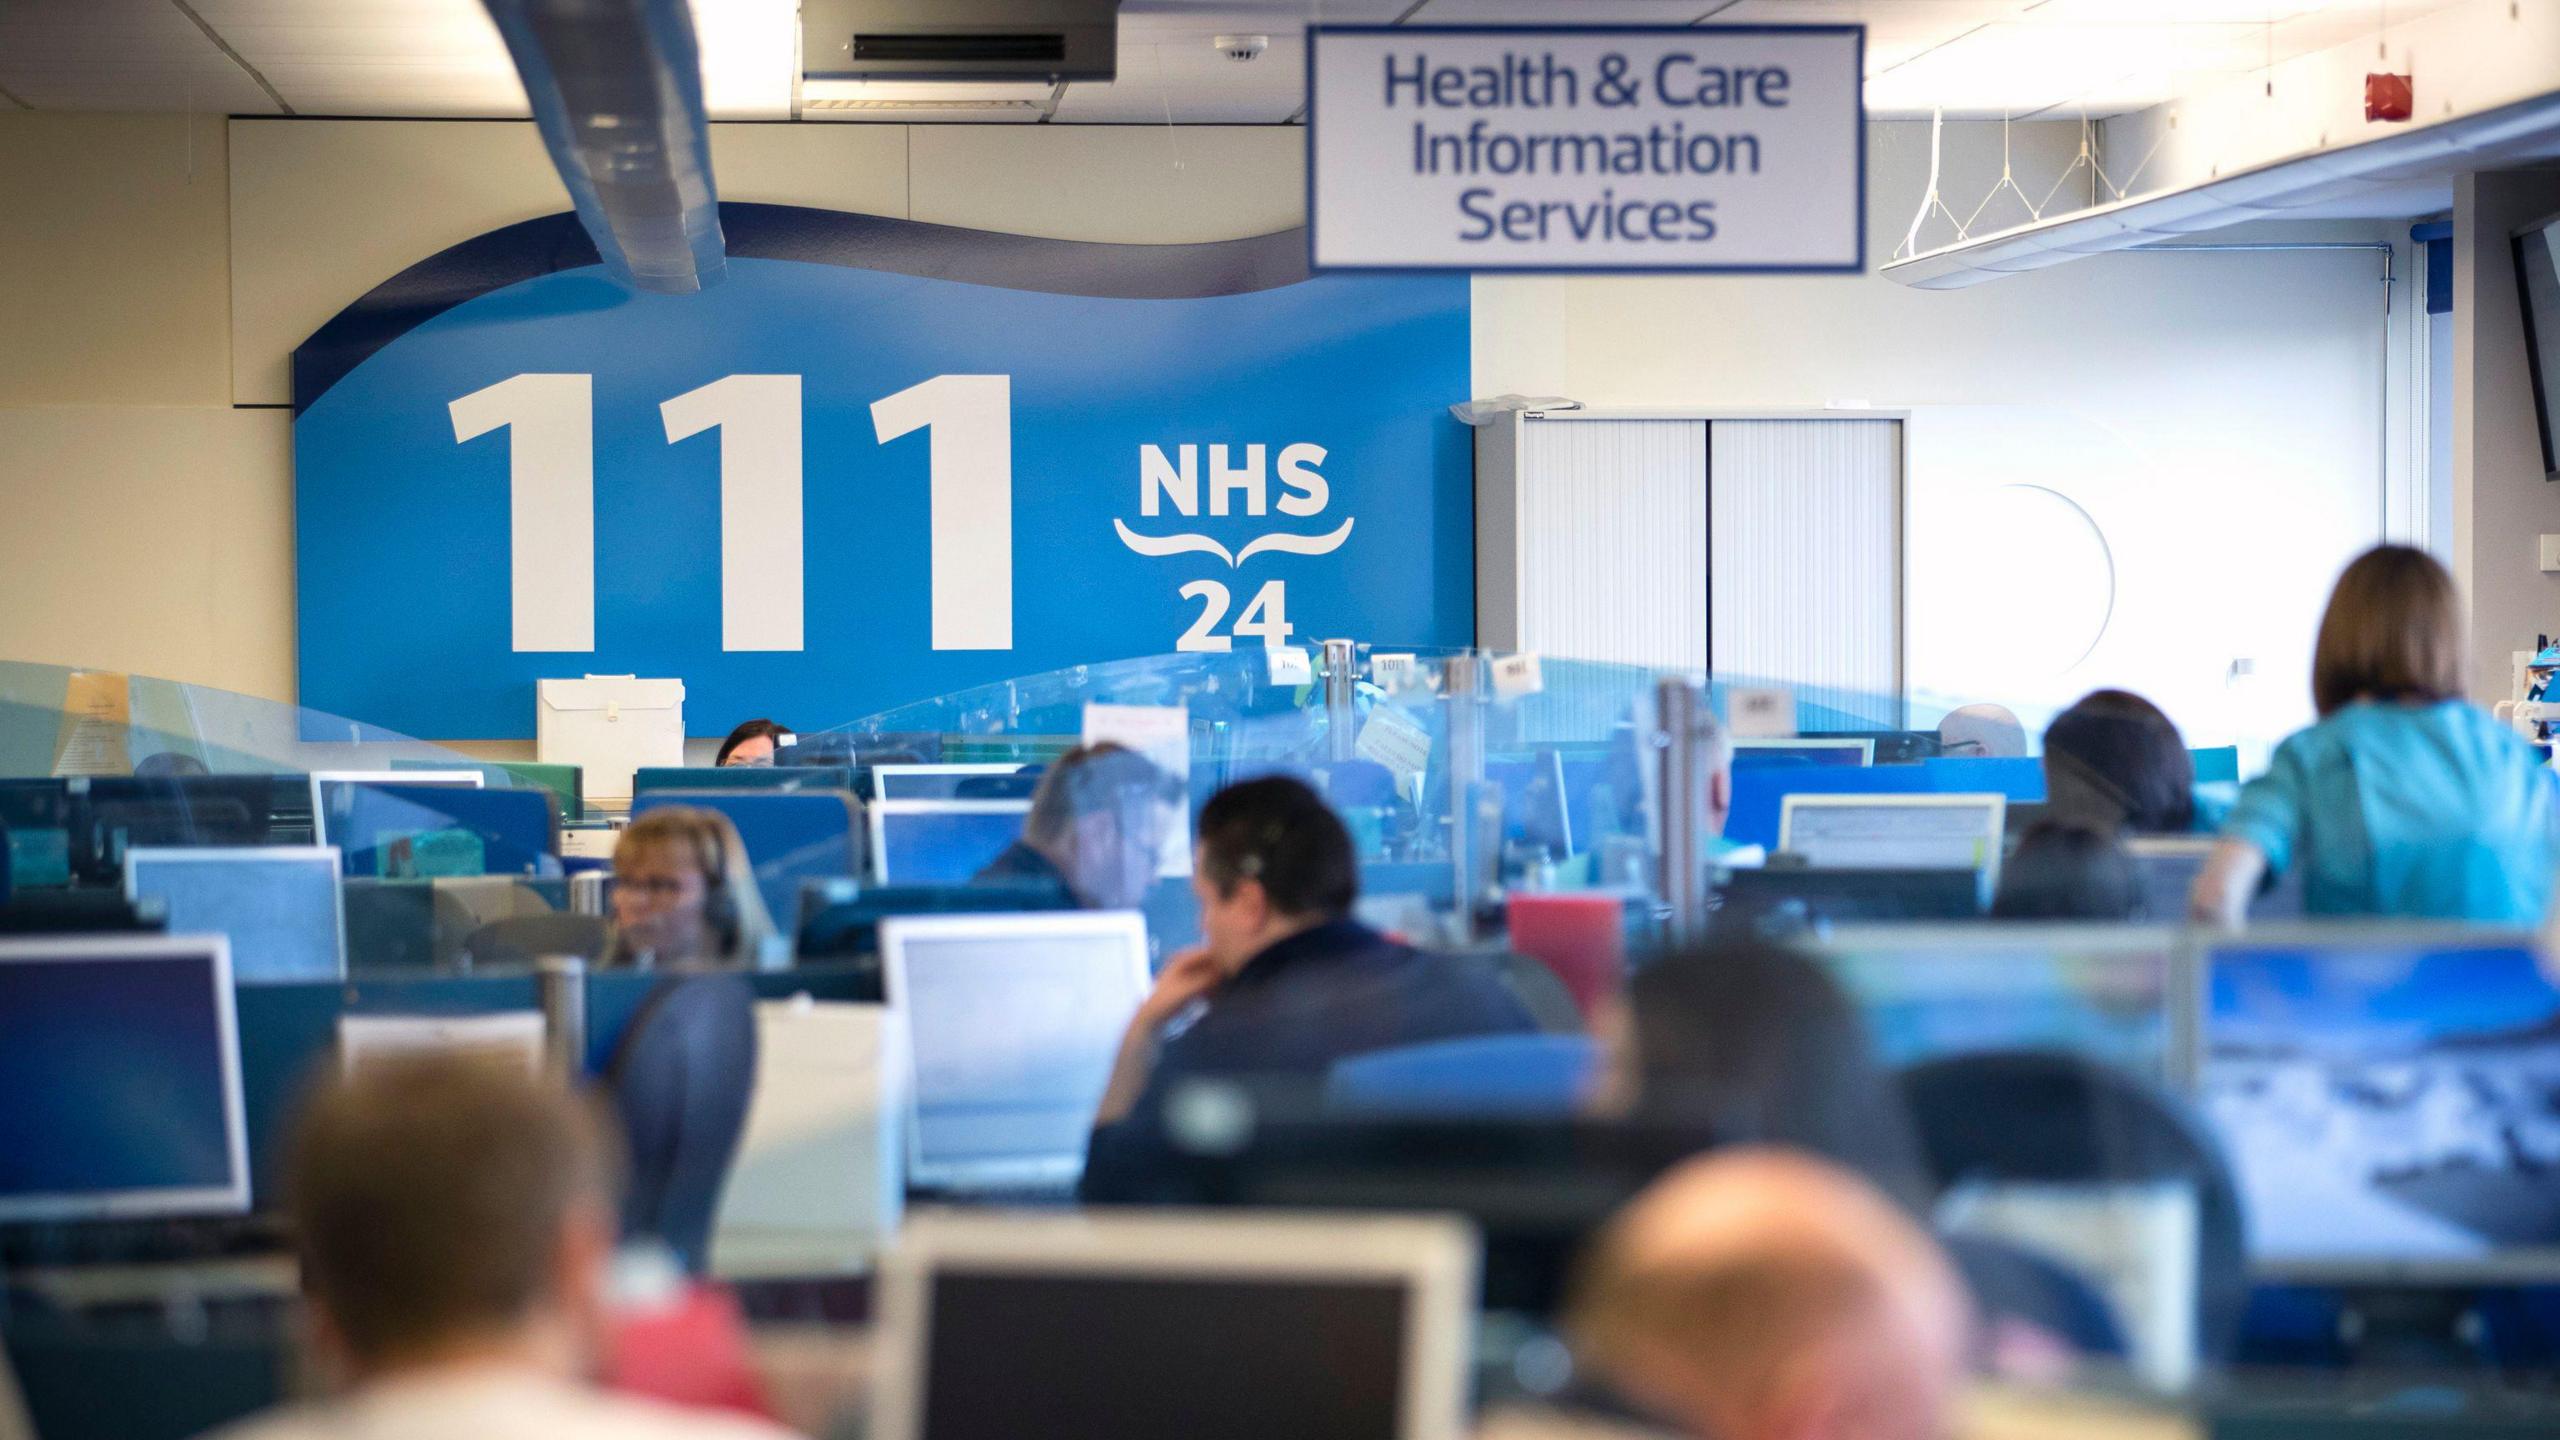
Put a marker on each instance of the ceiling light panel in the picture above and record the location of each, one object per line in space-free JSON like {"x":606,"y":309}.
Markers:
{"x":374,"y":57}
{"x":139,"y":55}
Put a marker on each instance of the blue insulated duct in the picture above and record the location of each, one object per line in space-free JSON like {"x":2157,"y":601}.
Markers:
{"x":616,"y":86}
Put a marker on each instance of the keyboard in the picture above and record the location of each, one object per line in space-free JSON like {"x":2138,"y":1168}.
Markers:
{"x":76,"y":1243}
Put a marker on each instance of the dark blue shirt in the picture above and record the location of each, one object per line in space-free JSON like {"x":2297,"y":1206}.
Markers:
{"x":1318,"y":997}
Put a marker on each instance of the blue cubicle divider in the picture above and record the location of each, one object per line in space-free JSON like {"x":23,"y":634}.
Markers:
{"x":2217,"y":765}
{"x":1758,"y":794}
{"x":287,"y":1031}
{"x":2020,"y":778}
{"x":616,"y":997}
{"x":790,"y":836}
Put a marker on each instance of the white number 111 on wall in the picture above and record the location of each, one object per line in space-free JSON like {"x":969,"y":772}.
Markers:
{"x":550,"y":421}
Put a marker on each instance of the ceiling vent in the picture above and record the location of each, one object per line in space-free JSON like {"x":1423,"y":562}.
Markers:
{"x":967,"y":40}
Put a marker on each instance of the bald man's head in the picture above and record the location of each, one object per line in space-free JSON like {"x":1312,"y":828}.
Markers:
{"x":1765,"y":1295}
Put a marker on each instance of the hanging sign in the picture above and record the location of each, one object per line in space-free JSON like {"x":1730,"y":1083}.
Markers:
{"x":1720,"y":148}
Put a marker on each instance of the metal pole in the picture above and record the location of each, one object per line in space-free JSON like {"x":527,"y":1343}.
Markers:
{"x":1680,"y":795}
{"x":1466,"y":777}
{"x":1342,"y":723}
{"x":563,"y":985}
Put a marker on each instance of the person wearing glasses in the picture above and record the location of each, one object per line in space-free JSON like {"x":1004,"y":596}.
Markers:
{"x":1097,"y":825}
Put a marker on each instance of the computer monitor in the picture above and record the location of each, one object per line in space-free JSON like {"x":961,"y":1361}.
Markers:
{"x":1012,"y":1025}
{"x":115,"y":813}
{"x":1807,"y":750}
{"x":1794,"y":897}
{"x":940,"y":842}
{"x":2115,"y":993}
{"x":2390,"y":1099}
{"x":2167,"y":866}
{"x":424,"y":832}
{"x":657,"y":780}
{"x":947,"y":782}
{"x":279,"y":905}
{"x":1176,"y":1325}
{"x":1850,"y":832}
{"x":330,"y":790}
{"x":120,"y":1064}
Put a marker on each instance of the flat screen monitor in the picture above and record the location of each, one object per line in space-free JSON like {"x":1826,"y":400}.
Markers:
{"x":331,"y":789}
{"x":425,"y":832}
{"x":2538,"y":283}
{"x":120,"y":812}
{"x":2390,"y":1100}
{"x":1176,"y":1326}
{"x":1891,"y":832}
{"x":991,"y":781}
{"x":2112,"y":993}
{"x":119,"y":1079}
{"x":1805,"y":751}
{"x":1012,"y":1025}
{"x":940,"y":842}
{"x":279,"y":905}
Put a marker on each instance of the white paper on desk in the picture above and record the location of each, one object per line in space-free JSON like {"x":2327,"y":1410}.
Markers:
{"x":1162,"y":733}
{"x":819,"y":1185}
{"x":507,"y":1034}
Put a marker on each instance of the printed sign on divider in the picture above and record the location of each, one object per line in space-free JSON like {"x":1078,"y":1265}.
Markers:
{"x":880,"y":462}
{"x":1717,"y":148}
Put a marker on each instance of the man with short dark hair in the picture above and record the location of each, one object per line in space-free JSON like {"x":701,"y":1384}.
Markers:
{"x":1286,"y":981}
{"x":1097,"y":821}
{"x":456,"y":1219}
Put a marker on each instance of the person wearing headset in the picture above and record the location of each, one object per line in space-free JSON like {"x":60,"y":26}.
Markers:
{"x":755,"y":742}
{"x":684,"y":894}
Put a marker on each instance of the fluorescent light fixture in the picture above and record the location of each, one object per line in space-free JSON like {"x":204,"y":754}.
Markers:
{"x":921,"y":99}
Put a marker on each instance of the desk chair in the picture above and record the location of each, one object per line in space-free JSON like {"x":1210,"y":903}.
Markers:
{"x":681,"y":1081}
{"x":2037,"y":1116}
{"x":1476,"y":1075}
{"x":2012,"y":1282}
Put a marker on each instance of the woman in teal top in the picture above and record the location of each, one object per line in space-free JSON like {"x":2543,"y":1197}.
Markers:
{"x":2403,"y":800}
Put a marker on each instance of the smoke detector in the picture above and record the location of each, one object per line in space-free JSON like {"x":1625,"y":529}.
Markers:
{"x":1242,"y":48}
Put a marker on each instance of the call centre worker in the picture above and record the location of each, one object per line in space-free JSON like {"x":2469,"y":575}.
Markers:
{"x":1286,"y":982}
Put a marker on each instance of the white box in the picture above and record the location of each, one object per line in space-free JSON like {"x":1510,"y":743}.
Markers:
{"x":609,"y":726}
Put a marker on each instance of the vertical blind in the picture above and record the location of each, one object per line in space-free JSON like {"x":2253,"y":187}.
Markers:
{"x":1807,"y":553}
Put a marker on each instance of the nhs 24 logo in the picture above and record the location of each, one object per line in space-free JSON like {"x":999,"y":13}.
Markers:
{"x":1250,"y":480}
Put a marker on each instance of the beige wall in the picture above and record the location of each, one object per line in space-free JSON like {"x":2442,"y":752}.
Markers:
{"x":112,"y":286}
{"x":2501,"y":500}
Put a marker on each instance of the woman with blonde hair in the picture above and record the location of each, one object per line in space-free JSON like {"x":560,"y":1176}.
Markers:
{"x":685,"y":895}
{"x":2404,"y":799}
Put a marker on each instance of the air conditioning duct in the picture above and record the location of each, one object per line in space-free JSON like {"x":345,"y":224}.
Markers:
{"x":616,"y":89}
{"x":980,"y":40}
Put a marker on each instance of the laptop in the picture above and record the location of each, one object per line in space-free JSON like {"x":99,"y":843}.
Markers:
{"x":1013,"y":1022}
{"x":1176,"y":1325}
